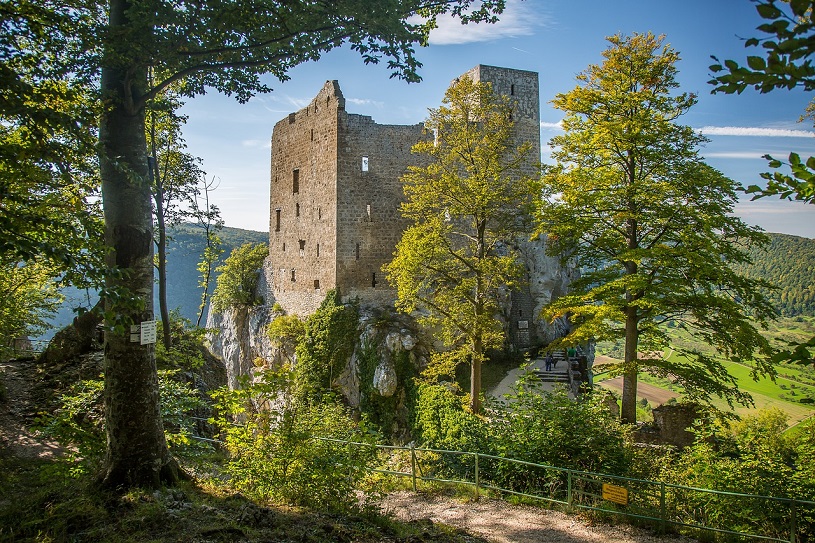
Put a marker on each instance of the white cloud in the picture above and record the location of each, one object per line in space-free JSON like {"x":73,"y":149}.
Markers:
{"x":366,"y":102}
{"x":518,"y":19}
{"x":736,"y":155}
{"x":552,"y":126}
{"x":755,"y":131}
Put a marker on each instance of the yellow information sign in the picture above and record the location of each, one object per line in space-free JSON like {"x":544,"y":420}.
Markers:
{"x":616,"y":494}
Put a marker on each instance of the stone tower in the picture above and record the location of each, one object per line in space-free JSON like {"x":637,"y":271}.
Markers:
{"x":335,"y":195}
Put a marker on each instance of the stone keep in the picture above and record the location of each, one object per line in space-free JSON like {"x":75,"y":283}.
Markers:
{"x":335,"y":196}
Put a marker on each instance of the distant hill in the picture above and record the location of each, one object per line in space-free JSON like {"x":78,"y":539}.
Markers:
{"x":789,"y":263}
{"x":183,"y":254}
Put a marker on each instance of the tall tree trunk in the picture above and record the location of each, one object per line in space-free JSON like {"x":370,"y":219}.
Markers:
{"x":162,"y":263}
{"x":475,"y":376}
{"x":137,"y":453}
{"x":628,"y":410}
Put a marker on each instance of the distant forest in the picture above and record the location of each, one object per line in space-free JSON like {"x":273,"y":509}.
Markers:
{"x":184,"y":251}
{"x":789,"y":263}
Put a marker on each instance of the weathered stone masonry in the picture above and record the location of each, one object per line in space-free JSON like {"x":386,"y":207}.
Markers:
{"x":335,"y":196}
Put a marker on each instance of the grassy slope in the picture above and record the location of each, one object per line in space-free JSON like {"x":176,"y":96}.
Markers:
{"x":764,"y":391}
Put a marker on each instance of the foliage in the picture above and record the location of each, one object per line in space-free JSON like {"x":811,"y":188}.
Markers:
{"x":788,"y":47}
{"x":48,"y":172}
{"x":79,"y":422}
{"x":236,"y":286}
{"x":286,"y":332}
{"x":790,"y":263}
{"x":751,"y":456}
{"x":273,"y":453}
{"x":28,"y":297}
{"x":651,"y":227}
{"x":530,"y":424}
{"x":552,"y":429}
{"x":331,"y":334}
{"x":467,"y":208}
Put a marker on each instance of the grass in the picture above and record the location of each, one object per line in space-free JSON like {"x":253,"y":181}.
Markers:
{"x":791,"y":384}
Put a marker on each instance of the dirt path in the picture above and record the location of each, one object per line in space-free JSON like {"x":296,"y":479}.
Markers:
{"x":500,"y":522}
{"x":15,"y":414}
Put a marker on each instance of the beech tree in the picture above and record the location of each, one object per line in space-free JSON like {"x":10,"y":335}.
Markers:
{"x":651,"y":227}
{"x":48,"y":169}
{"x":785,"y":63}
{"x":467,"y":207}
{"x":225,"y":46}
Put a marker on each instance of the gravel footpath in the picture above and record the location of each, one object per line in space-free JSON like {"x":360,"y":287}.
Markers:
{"x":500,"y":522}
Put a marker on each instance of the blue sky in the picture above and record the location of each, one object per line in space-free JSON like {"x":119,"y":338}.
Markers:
{"x":557,"y":39}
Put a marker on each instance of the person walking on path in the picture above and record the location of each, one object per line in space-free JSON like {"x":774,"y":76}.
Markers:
{"x":548,"y":361}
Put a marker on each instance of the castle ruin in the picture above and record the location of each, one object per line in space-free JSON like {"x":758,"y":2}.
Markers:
{"x":335,"y":193}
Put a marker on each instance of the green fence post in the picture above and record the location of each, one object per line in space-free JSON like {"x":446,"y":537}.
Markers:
{"x":569,"y":488}
{"x":476,"y":475}
{"x":793,"y":521}
{"x":662,"y":512}
{"x":413,"y":465}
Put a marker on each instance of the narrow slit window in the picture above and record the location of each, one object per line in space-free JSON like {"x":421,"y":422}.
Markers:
{"x":373,"y":279}
{"x":284,"y":246}
{"x":293,"y":275}
{"x":356,"y":251}
{"x":316,"y":284}
{"x":295,"y":181}
{"x":312,"y":134}
{"x":302,"y":247}
{"x":296,"y":210}
{"x":277,"y":220}
{"x":512,"y":89}
{"x":318,"y":249}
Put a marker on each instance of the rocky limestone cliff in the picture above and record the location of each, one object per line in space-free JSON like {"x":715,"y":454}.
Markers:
{"x":238,"y":336}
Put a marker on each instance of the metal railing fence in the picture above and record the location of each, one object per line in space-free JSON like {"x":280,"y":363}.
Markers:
{"x":658,"y":503}
{"x":764,"y":518}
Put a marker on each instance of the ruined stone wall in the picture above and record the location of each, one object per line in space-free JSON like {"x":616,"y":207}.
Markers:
{"x":371,"y":160}
{"x":303,"y":214}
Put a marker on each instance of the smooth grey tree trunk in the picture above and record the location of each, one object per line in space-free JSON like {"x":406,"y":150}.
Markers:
{"x":137,"y":453}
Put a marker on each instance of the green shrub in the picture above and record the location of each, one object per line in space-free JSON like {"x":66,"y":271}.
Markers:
{"x":751,"y":456}
{"x":237,"y":283}
{"x":79,"y":422}
{"x":273,"y":453}
{"x":331,"y":333}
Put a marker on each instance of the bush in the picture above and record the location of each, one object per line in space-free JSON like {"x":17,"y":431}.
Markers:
{"x":552,"y":429}
{"x":751,"y":456}
{"x":238,"y":280}
{"x":273,"y":453}
{"x":328,"y":342}
{"x":79,"y":422}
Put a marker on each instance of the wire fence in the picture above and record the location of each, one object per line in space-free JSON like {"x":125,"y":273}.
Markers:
{"x":660,"y":504}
